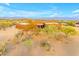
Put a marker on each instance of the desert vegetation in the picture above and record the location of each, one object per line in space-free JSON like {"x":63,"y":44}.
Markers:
{"x":33,"y":39}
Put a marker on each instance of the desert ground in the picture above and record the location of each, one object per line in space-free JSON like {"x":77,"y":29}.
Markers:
{"x":64,"y":47}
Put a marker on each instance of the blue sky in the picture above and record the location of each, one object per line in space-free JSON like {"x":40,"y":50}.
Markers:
{"x":38,"y":10}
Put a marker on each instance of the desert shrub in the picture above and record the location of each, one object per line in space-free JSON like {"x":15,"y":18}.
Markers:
{"x":71,"y":23}
{"x":50,"y":29}
{"x":3,"y":48}
{"x":19,"y":34}
{"x":5,"y":24}
{"x":69,"y":30}
{"x":22,"y":36}
{"x":45,"y":45}
{"x":28,"y":42}
{"x":59,"y":36}
{"x":18,"y":37}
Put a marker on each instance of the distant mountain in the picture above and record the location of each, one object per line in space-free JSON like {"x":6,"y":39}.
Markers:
{"x":66,"y":18}
{"x":60,"y":18}
{"x":44,"y":18}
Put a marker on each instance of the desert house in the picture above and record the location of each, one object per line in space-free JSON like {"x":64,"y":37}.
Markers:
{"x":29,"y":25}
{"x":21,"y":25}
{"x":37,"y":23}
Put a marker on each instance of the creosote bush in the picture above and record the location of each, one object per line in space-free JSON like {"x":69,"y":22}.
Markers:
{"x":59,"y":36}
{"x":28,"y":42}
{"x":3,"y":48}
{"x":45,"y":45}
{"x":18,"y":37}
{"x":69,"y":30}
{"x":5,"y":24}
{"x":70,"y":23}
{"x":50,"y":29}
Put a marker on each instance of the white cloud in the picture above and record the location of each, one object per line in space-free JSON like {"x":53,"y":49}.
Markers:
{"x":57,"y":14}
{"x":75,"y":11}
{"x":8,"y":4}
{"x":54,"y":15}
{"x":7,"y":12}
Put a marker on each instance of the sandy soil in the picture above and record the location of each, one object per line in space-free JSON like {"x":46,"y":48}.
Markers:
{"x":8,"y":33}
{"x":71,"y":47}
